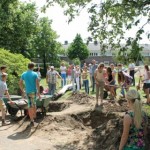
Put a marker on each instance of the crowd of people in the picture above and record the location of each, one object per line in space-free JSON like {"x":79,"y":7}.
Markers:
{"x":97,"y":76}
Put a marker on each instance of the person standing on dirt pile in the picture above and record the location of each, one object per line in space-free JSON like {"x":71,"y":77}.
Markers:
{"x":134,"y":124}
{"x":4,"y":90}
{"x":2,"y":70}
{"x":146,"y":81}
{"x":85,"y":80}
{"x":63,"y":74}
{"x":99,"y":76}
{"x":132,"y":71}
{"x":51,"y":79}
{"x":94,"y":67}
{"x":32,"y":89}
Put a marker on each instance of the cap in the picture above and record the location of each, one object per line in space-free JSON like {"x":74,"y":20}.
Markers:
{"x":52,"y":67}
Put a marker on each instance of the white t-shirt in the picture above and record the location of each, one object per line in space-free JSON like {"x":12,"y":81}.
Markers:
{"x":146,"y":80}
{"x":63,"y":69}
{"x":77,"y":73}
{"x":3,"y":88}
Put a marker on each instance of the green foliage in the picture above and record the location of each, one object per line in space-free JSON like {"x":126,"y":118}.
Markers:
{"x":45,"y":43}
{"x":78,"y":49}
{"x":76,"y":61}
{"x":110,"y":18}
{"x":17,"y":26}
{"x":16,"y":65}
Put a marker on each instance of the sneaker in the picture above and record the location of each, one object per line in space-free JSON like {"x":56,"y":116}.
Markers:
{"x":35,"y":124}
{"x":4,"y":123}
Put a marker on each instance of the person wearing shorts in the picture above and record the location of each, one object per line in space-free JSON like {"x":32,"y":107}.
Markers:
{"x":32,"y":89}
{"x":3,"y":90}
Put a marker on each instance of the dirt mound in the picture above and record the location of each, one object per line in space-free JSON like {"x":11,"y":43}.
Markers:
{"x":120,"y":106}
{"x":81,"y":98}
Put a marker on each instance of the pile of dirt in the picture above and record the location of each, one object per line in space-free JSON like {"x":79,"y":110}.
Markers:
{"x":81,"y":98}
{"x":120,"y":106}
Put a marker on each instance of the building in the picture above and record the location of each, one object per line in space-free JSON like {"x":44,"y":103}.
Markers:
{"x":107,"y":58}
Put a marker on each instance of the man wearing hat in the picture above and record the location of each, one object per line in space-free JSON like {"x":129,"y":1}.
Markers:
{"x":3,"y":90}
{"x":51,"y":79}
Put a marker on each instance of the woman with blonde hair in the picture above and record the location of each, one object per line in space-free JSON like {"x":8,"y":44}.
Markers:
{"x":134,"y":124}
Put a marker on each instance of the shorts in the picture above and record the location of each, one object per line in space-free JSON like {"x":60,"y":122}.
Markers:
{"x":31,"y":99}
{"x":2,"y":105}
{"x":69,"y":77}
{"x":146,"y":85}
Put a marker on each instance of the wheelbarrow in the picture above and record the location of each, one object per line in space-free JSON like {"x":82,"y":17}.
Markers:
{"x":22,"y":104}
{"x":43,"y":103}
{"x":12,"y":111}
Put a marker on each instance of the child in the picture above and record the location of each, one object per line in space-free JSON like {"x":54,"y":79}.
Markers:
{"x":3,"y":90}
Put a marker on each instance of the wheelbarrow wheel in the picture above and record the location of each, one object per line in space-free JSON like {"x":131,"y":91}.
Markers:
{"x":12,"y":111}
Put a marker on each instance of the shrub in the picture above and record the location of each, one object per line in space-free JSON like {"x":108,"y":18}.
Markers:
{"x":16,"y":65}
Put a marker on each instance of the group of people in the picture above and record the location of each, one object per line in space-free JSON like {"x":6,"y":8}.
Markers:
{"x":135,"y":120}
{"x":99,"y":77}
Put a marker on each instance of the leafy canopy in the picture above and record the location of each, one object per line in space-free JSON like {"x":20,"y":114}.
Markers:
{"x":78,"y":49}
{"x":110,"y":19}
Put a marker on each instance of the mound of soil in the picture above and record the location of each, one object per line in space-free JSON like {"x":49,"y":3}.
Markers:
{"x":87,"y":128}
{"x":81,"y":98}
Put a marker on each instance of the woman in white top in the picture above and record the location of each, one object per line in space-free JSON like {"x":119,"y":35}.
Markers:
{"x":146,"y":81}
{"x":77,"y":77}
{"x":100,"y":75}
{"x":63,"y":74}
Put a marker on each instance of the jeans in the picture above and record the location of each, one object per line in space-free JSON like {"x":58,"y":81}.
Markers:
{"x":86,"y":85}
{"x":93,"y":83}
{"x":52,"y":88}
{"x":63,"y":82}
{"x":78,"y":83}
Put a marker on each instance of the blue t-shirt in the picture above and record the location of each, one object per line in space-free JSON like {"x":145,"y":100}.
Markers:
{"x":30,"y":78}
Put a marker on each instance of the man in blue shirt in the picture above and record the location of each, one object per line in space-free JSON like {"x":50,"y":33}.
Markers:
{"x":31,"y":89}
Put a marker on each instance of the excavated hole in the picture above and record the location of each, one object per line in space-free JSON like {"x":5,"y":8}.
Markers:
{"x":58,"y":106}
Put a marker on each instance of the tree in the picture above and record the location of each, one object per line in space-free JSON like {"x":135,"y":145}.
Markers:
{"x":109,"y":19}
{"x":45,"y":43}
{"x":17,"y":26}
{"x":78,"y":49}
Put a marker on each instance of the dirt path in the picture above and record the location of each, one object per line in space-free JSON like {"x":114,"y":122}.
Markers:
{"x":73,"y":124}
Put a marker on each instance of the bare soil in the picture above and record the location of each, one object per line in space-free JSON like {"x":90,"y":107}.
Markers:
{"x":72,"y":124}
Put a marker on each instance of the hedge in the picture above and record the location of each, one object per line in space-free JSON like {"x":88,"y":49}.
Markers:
{"x":16,"y":65}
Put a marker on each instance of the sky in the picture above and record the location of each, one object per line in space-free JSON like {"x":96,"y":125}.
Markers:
{"x":67,"y":32}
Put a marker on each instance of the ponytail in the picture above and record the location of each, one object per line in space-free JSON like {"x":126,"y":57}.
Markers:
{"x":137,"y":106}
{"x":134,"y":97}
